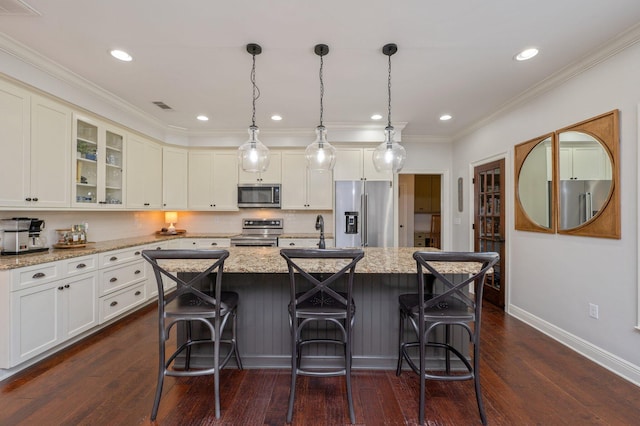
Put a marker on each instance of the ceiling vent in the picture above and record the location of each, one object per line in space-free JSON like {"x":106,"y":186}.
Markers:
{"x":159,"y":104}
{"x":16,"y":8}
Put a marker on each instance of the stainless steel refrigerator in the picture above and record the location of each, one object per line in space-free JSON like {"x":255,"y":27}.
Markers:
{"x":363,"y":214}
{"x":580,"y":200}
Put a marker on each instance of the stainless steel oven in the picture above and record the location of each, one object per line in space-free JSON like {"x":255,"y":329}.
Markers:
{"x":258,"y":233}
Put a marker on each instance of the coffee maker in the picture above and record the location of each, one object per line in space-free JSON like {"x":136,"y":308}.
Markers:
{"x":21,"y":235}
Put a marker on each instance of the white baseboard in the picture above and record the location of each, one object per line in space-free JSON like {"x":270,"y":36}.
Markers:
{"x":611,"y":362}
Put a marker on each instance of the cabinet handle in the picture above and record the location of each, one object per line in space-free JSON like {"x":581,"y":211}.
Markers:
{"x":28,"y":199}
{"x":158,"y":248}
{"x":194,"y":243}
{"x":137,"y":271}
{"x":146,"y":204}
{"x":214,"y":244}
{"x":39,"y":275}
{"x":292,"y":244}
{"x":114,"y":303}
{"x":35,"y":199}
{"x":113,"y":258}
{"x":137,"y":293}
{"x":66,"y":286}
{"x":137,"y":253}
{"x":113,"y":280}
{"x":80,"y":266}
{"x":60,"y":288}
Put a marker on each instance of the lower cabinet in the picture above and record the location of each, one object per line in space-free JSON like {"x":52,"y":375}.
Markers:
{"x":121,"y":301}
{"x":303,"y":242}
{"x":46,"y":315}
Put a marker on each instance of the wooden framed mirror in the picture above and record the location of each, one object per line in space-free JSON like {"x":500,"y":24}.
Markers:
{"x":534,"y":189}
{"x":568,"y":181}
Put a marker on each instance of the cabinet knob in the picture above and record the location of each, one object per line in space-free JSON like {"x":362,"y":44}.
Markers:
{"x":113,"y":258}
{"x":39,"y":275}
{"x":137,"y":253}
{"x":114,"y":303}
{"x":60,"y":288}
{"x":66,"y":286}
{"x":113,"y":280}
{"x":35,"y":199}
{"x":28,"y":199}
{"x":214,"y":244}
{"x":137,"y":293}
{"x":137,"y":271}
{"x":80,"y":266}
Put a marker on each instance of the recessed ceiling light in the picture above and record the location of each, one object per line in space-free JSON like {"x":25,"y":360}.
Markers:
{"x":526,"y":54}
{"x":202,"y":118}
{"x":121,"y":55}
{"x":445,"y":117}
{"x":376,"y":117}
{"x":276,"y":117}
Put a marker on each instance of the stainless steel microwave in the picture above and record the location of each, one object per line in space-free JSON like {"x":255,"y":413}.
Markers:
{"x":259,"y":195}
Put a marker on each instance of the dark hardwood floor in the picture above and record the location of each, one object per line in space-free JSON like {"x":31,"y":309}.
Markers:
{"x":109,"y":379}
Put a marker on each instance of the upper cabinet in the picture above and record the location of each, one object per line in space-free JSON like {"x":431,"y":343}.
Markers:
{"x":174,"y":178}
{"x":213,"y":180}
{"x":568,"y":181}
{"x":357,"y":164}
{"x":271,"y":175}
{"x":99,"y":158}
{"x":144,"y":173}
{"x":303,"y":189}
{"x":427,"y":194}
{"x":35,"y":141}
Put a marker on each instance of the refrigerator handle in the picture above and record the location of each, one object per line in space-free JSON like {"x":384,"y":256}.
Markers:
{"x":588,"y":206}
{"x":364,"y":201}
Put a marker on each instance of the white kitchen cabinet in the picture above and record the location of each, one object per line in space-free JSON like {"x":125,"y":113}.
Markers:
{"x":144,"y":173}
{"x":585,"y":162}
{"x":304,"y":242}
{"x":36,"y":145}
{"x":303,"y":189}
{"x":98,"y":172}
{"x":174,"y":178}
{"x":46,"y":315}
{"x":357,"y":164}
{"x":271,"y":175}
{"x":204,"y":243}
{"x":213,"y":180}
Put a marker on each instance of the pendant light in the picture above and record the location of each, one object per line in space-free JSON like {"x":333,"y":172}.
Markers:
{"x":389,"y":155}
{"x":253,"y":154}
{"x":321,"y":155}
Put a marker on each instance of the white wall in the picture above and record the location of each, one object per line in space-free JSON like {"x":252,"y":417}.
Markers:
{"x":553,"y":278}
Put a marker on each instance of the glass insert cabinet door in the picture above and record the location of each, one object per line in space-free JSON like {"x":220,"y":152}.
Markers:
{"x":98,"y":174}
{"x":489,"y":229}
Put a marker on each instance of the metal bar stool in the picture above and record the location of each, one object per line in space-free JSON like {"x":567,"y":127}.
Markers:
{"x":313,"y":275}
{"x":453,"y":306}
{"x":190,"y":305}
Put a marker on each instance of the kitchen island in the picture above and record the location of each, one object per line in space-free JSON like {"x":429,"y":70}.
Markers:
{"x":260,"y":277}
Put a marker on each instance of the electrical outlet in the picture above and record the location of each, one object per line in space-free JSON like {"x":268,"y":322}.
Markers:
{"x":593,"y":310}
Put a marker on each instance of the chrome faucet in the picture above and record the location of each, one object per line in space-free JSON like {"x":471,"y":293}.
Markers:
{"x":320,"y":227}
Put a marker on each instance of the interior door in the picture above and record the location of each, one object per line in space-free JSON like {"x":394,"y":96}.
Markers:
{"x":489,"y":228}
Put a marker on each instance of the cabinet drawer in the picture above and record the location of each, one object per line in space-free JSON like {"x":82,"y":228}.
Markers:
{"x":35,"y":275}
{"x":119,"y":257}
{"x":117,"y":303}
{"x":80,"y":265}
{"x":205,"y":243}
{"x":116,"y":278}
{"x":303,"y":242}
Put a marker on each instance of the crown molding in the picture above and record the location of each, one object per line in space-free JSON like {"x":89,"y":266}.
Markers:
{"x":595,"y":57}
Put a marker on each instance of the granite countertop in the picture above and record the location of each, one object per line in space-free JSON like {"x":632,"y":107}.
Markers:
{"x":306,"y":235}
{"x":377,"y":260}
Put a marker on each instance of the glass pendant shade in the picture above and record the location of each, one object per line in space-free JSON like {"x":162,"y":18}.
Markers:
{"x":321,"y":155}
{"x":253,"y":155}
{"x":389,"y":155}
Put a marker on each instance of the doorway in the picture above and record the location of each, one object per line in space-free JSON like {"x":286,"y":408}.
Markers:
{"x":419,"y":209}
{"x":489,"y":224}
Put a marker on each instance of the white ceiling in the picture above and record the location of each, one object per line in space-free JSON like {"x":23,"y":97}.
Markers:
{"x":453,"y":57}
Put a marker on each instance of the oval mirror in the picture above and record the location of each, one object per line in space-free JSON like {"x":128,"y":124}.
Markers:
{"x":535,"y":182}
{"x":585,"y":178}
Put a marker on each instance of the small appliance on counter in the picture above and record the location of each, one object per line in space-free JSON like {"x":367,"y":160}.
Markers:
{"x":21,"y":235}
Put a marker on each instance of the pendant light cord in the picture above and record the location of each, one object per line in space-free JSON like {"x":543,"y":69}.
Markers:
{"x":389,"y":92}
{"x":321,"y":90}
{"x":256,"y":91}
